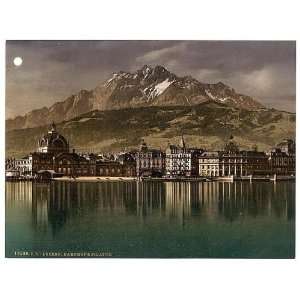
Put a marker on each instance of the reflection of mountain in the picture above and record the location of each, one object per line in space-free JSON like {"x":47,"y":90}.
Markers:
{"x":57,"y":203}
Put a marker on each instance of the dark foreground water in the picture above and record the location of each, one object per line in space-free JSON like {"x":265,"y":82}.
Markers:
{"x":129,"y":219}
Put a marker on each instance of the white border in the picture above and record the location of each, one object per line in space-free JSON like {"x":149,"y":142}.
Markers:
{"x":146,"y":279}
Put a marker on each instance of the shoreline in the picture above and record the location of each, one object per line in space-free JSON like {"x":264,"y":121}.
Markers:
{"x":158,"y":179}
{"x":187,"y":179}
{"x":94,"y":179}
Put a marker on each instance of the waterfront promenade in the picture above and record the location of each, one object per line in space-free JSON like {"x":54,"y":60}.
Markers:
{"x":183,"y":179}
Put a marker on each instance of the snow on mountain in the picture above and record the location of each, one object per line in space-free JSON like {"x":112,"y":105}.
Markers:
{"x":148,"y":86}
{"x":155,"y":91}
{"x":208,"y":93}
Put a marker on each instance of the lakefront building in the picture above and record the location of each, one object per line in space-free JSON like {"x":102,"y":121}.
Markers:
{"x":209,"y":164}
{"x":53,"y":142}
{"x":282,"y":158}
{"x":53,"y":154}
{"x":182,"y":161}
{"x":287,"y":146}
{"x":150,"y":162}
{"x":53,"y":158}
{"x":238,"y":164}
{"x":72,"y":164}
{"x":233,"y":162}
{"x":22,"y":165}
{"x":121,"y":166}
{"x":244,"y":163}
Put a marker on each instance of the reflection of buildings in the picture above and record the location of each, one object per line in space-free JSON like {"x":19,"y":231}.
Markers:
{"x":150,"y":199}
{"x":18,"y":195}
{"x":55,"y":204}
{"x":231,"y":200}
{"x":211,"y":200}
{"x":40,"y":197}
{"x":178,"y":200}
{"x":31,"y":198}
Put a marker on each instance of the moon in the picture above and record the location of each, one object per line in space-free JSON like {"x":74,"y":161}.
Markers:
{"x":18,"y":61}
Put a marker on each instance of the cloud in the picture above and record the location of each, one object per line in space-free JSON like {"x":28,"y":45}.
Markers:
{"x":162,"y":55}
{"x":272,"y":81}
{"x":53,"y":70}
{"x":273,"y":85}
{"x":208,"y":75}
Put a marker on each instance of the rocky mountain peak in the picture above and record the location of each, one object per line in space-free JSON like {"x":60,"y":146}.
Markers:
{"x":221,"y":84}
{"x":151,"y":74}
{"x":146,"y":69}
{"x":160,"y":69}
{"x":148,"y":86}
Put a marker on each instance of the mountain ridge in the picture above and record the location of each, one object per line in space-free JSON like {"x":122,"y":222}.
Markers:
{"x":206,"y":125}
{"x":148,"y":86}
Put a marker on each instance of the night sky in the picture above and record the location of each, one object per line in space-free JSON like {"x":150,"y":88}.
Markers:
{"x":53,"y":70}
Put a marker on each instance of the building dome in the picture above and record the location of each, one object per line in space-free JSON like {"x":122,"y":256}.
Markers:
{"x":53,"y":142}
{"x":143,"y":146}
{"x":231,"y":146}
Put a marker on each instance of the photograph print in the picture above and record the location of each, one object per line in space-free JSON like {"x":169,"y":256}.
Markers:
{"x":150,"y":149}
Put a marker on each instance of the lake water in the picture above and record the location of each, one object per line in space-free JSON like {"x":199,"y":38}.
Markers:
{"x":151,"y":219}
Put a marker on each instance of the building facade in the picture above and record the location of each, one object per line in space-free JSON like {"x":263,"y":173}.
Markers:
{"x":149,"y":162}
{"x":114,"y":169}
{"x":53,"y":155}
{"x":244,"y":163}
{"x":22,"y":165}
{"x":209,"y":164}
{"x":282,"y":158}
{"x":287,"y":146}
{"x":182,"y":161}
{"x":72,"y":164}
{"x":237,"y":164}
{"x":53,"y":142}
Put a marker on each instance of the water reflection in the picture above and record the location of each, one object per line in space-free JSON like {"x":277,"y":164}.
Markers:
{"x":52,"y":205}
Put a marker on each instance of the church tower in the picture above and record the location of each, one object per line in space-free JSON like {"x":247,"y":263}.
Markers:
{"x":182,"y":142}
{"x":52,"y":128}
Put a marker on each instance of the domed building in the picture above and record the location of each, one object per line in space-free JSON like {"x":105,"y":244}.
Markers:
{"x":53,"y":142}
{"x":231,"y":146}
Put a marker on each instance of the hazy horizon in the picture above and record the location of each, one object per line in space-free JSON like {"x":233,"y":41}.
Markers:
{"x":51,"y":71}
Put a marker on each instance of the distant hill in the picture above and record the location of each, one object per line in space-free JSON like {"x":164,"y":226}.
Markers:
{"x":207,"y":125}
{"x":146,"y":87}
